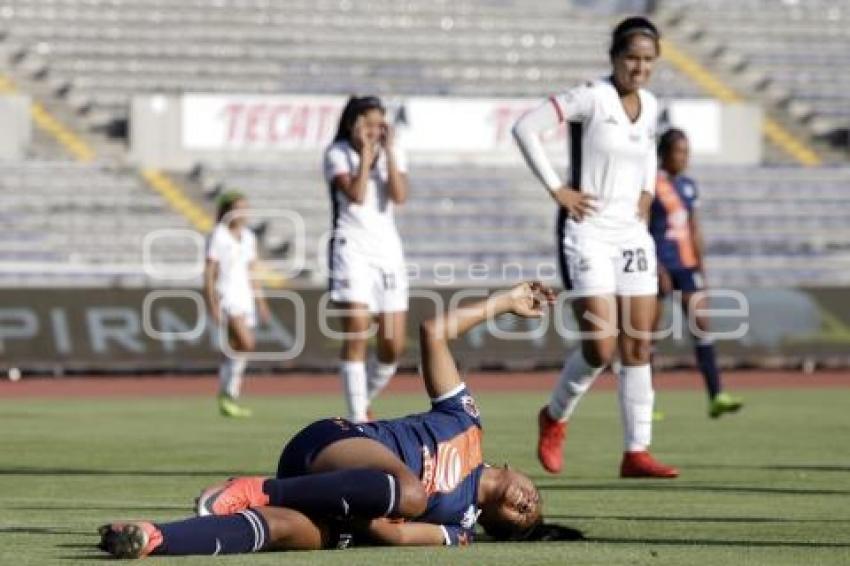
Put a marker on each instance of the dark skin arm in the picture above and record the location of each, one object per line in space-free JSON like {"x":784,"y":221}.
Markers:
{"x":699,"y":243}
{"x":438,"y":366}
{"x":393,"y":533}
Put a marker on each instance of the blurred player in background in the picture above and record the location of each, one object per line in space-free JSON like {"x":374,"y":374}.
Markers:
{"x":416,"y":480}
{"x":606,"y":254}
{"x":367,"y":176}
{"x":231,"y":290}
{"x":679,"y":245}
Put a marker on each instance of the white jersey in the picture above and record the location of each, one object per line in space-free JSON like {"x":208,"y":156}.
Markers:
{"x":612,"y":158}
{"x":367,"y":228}
{"x":234,"y":257}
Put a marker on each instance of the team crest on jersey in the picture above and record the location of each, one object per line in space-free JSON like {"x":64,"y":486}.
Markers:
{"x":470,"y":406}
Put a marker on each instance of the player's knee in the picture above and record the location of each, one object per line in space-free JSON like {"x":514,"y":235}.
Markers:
{"x":413,"y":500}
{"x":636,"y":352}
{"x":389,"y":351}
{"x":598,"y":354}
{"x":249,"y":344}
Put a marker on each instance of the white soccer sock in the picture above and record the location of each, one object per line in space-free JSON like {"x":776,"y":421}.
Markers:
{"x":380,"y":375}
{"x":230,"y":376}
{"x":576,"y":378}
{"x":353,"y":376}
{"x":636,"y":401}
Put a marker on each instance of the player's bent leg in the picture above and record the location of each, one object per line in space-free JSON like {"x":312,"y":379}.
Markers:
{"x":578,"y":374}
{"x":240,"y":533}
{"x":241,"y":340}
{"x":391,"y":339}
{"x":360,"y":453}
{"x":719,"y":402}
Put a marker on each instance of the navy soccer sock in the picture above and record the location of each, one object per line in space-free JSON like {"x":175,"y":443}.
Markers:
{"x":246,"y":531}
{"x":708,"y":366}
{"x":365,"y":494}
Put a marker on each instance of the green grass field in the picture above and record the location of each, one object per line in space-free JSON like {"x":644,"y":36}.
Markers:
{"x":768,"y":486}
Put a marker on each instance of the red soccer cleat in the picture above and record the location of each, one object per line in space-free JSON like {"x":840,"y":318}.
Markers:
{"x":643,"y":465}
{"x":550,"y":442}
{"x":232,"y":496}
{"x":129,"y":540}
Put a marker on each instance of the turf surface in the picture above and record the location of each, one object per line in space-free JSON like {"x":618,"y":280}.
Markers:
{"x":768,"y":486}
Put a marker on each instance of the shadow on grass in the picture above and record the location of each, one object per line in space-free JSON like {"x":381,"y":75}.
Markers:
{"x":676,"y":486}
{"x":715,"y":542}
{"x":42,"y":531}
{"x":117,"y":508}
{"x":775,"y":467}
{"x":35,"y":471}
{"x":650,"y":518}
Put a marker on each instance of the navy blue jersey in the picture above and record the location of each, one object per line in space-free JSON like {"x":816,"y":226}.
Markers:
{"x":443,"y":447}
{"x":669,"y":223}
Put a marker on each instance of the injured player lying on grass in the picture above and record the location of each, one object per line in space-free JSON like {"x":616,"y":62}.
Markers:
{"x":416,"y":480}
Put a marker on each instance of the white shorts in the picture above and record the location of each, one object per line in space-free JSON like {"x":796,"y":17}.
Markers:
{"x":380,"y":284}
{"x":233,"y":308}
{"x":595,"y":264}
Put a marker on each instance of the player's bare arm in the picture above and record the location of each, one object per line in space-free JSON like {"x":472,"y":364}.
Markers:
{"x":210,"y":278}
{"x":259,"y":294}
{"x":438,"y":366}
{"x":394,"y":533}
{"x":697,"y":238}
{"x":397,"y":181}
{"x":354,"y":186}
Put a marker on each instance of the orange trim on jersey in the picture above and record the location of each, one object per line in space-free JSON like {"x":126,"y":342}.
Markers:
{"x":678,"y":227}
{"x":560,"y":112}
{"x":455,"y":460}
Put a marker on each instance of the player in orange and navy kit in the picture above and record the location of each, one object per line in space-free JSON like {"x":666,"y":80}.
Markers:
{"x":416,"y":480}
{"x":678,"y":243}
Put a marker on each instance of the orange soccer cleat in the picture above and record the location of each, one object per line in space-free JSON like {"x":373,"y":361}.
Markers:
{"x":232,"y":496}
{"x":550,"y":441}
{"x":129,"y":540}
{"x":643,"y":465}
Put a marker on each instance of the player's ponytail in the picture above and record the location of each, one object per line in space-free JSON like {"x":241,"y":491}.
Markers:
{"x":540,"y":532}
{"x":630,"y":27}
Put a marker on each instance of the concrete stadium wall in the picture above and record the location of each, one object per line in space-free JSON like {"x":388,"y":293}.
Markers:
{"x":16,"y":129}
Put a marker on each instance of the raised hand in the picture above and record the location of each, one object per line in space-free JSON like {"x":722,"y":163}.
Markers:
{"x":529,"y":299}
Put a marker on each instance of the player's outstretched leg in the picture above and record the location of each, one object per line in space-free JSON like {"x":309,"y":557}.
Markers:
{"x":248,"y":531}
{"x":578,"y":374}
{"x":576,"y":378}
{"x":232,"y":368}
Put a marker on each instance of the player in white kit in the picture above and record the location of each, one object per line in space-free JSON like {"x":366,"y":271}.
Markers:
{"x":605,"y":252}
{"x":231,"y":291}
{"x":367,"y":177}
